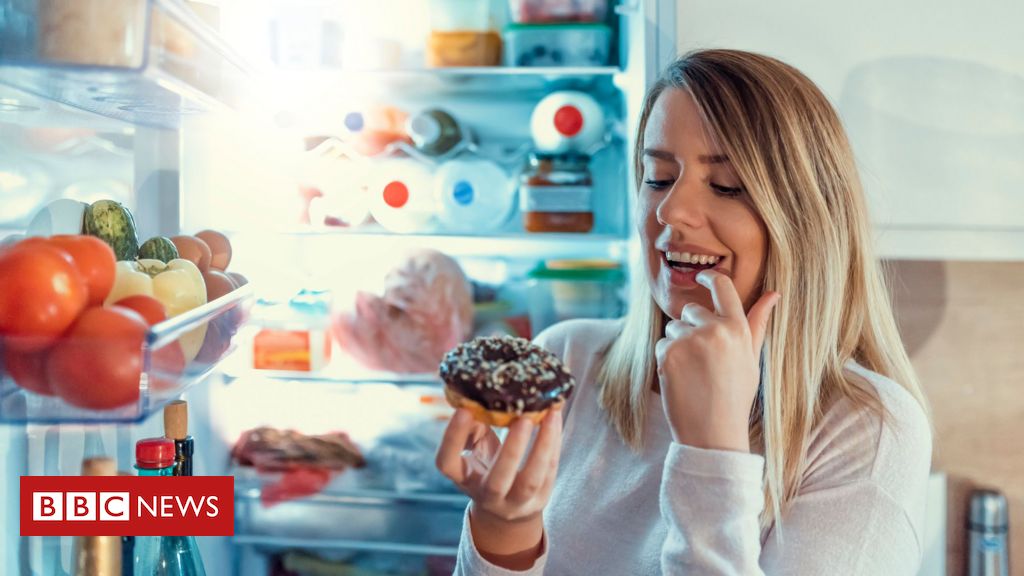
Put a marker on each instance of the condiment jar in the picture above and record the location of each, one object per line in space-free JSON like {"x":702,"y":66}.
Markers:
{"x":555,"y":193}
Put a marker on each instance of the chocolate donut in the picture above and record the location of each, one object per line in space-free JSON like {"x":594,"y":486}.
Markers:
{"x":501,"y":378}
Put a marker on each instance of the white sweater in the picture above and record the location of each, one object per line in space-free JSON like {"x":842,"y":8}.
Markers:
{"x":674,"y":509}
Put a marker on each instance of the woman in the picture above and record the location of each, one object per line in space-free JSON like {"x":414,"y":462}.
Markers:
{"x":755,"y":412}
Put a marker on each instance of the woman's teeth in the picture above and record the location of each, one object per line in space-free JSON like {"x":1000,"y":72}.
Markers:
{"x":677,"y":258}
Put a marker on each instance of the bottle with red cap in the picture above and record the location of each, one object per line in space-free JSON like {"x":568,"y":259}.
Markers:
{"x":163,"y":555}
{"x":402,"y":196}
{"x":567,"y":121}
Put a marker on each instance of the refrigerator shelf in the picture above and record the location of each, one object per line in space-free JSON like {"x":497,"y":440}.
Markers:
{"x":460,"y":80}
{"x":147,"y":62}
{"x":209,"y":331}
{"x":355,"y":519}
{"x":374,"y":239}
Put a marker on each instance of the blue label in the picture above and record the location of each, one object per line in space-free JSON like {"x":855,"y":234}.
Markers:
{"x":463,"y":193}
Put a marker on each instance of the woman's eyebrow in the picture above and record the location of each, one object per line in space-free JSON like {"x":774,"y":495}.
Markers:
{"x":713,"y":159}
{"x":660,"y":154}
{"x":669,"y":157}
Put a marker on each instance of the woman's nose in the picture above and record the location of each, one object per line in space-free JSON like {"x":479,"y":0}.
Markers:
{"x":683,"y":206}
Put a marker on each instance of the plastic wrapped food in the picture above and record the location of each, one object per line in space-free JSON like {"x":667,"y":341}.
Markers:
{"x":426,"y":310}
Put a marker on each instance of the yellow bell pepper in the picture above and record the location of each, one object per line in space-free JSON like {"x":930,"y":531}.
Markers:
{"x":178,"y":285}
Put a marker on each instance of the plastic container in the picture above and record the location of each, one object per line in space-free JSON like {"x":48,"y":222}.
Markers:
{"x":567,"y":121}
{"x":462,"y":34}
{"x":565,"y":289}
{"x":548,"y":11}
{"x":144,"y":62}
{"x":555,"y":194}
{"x":475,"y":195}
{"x":295,"y":336}
{"x":402,"y":196}
{"x":158,"y":384}
{"x":557,"y":45}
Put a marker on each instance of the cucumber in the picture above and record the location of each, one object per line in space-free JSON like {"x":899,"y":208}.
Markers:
{"x":113,"y":223}
{"x":158,"y":248}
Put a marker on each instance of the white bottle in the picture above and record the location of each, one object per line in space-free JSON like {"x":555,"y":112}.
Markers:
{"x":474,"y":195}
{"x":402,"y":198}
{"x":567,"y":121}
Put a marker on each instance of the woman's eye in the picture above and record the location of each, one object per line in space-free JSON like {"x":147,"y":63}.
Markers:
{"x":658,"y":184}
{"x":727,"y":190}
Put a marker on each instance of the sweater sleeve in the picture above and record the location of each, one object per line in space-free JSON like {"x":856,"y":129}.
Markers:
{"x":469,"y":562}
{"x":859,"y":511}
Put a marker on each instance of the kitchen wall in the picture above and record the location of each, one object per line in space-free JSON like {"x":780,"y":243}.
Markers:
{"x":963,"y":324}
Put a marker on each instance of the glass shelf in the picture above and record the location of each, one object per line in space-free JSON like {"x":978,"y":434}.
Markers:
{"x":206,"y":334}
{"x":352,"y":518}
{"x":147,"y":63}
{"x":468,"y":80}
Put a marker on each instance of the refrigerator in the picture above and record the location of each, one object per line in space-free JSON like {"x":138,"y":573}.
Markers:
{"x":237,"y":116}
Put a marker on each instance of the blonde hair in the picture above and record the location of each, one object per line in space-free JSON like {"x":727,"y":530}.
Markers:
{"x":788,"y":147}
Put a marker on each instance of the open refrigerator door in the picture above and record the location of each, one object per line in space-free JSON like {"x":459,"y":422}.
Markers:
{"x":389,"y":180}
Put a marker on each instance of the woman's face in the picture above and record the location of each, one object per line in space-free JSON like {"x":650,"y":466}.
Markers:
{"x":694,"y":212}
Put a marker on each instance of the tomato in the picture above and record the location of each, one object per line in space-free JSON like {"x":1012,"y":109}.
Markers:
{"x":217,"y":284}
{"x":94,"y":259}
{"x":41,"y":294}
{"x":151,"y":309}
{"x":99,"y":363}
{"x":28,"y":369}
{"x":168,"y":361}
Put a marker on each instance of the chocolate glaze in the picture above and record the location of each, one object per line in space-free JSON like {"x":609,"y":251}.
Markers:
{"x":507,"y":374}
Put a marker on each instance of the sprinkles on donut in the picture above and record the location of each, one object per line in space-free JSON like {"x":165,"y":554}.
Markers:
{"x":501,"y":378}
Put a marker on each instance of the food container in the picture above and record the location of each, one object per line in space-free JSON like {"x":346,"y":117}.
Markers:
{"x":462,"y":34}
{"x":142,"y":61}
{"x":294,"y":336}
{"x":555,"y":193}
{"x":557,"y":45}
{"x":547,"y":11}
{"x":565,"y":289}
{"x":162,"y":373}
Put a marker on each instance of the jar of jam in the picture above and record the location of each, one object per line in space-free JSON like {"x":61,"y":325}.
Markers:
{"x":555,"y":193}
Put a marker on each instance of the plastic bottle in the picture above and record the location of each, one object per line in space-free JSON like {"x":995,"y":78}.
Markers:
{"x":434,"y":132}
{"x":567,"y":121}
{"x":474,"y":195}
{"x":401,"y":196}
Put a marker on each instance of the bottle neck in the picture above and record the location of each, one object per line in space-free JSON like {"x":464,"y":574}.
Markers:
{"x":167,"y":471}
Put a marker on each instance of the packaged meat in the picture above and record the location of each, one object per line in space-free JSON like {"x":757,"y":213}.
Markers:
{"x":547,"y":11}
{"x":425,"y":310}
{"x":557,"y":45}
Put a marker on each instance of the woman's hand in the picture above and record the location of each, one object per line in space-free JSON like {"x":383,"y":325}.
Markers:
{"x":505,"y":517}
{"x":709,"y":367}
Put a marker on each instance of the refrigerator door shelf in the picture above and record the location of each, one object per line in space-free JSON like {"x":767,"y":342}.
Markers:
{"x":371,"y":520}
{"x":206,"y":334}
{"x":146,"y":63}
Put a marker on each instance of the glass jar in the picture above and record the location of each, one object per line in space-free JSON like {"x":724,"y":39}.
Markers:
{"x":555,"y":193}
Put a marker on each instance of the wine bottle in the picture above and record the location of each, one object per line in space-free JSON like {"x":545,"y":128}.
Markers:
{"x":176,"y":428}
{"x":98,"y":555}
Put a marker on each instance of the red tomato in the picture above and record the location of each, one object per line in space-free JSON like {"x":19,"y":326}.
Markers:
{"x":99,"y":363}
{"x":94,"y":259}
{"x":151,"y":309}
{"x":28,"y":369}
{"x":40,"y":296}
{"x":168,"y":362}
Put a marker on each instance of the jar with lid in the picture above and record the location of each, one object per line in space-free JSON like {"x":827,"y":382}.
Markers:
{"x":555,"y":193}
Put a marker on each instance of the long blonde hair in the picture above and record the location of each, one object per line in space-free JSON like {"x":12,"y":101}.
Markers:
{"x":788,"y":147}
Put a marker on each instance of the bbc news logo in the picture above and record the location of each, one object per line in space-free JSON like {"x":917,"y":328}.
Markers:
{"x":127,"y":505}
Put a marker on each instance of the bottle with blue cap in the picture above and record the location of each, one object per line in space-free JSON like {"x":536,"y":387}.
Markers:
{"x":474,"y":195}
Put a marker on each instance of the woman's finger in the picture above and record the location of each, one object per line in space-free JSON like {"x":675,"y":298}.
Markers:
{"x":696,"y":315}
{"x":758,"y":318}
{"x":723,"y":294}
{"x":456,"y":437}
{"x":676,"y":329}
{"x":503,"y":472}
{"x":531,"y":478}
